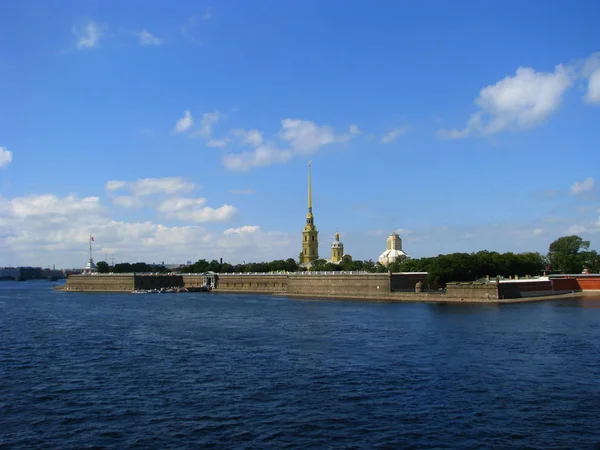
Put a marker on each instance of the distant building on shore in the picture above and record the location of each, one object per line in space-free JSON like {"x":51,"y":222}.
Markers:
{"x":393,"y":251}
{"x":90,"y":267}
{"x":337,"y":251}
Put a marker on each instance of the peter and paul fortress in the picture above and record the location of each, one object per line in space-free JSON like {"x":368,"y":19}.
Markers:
{"x":310,"y":235}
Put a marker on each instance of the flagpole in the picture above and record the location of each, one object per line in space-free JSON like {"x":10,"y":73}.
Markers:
{"x":90,"y":248}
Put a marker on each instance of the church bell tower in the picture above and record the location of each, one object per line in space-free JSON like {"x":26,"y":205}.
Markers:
{"x":310,"y":235}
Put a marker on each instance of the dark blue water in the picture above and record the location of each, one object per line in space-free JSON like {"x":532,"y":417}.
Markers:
{"x":234,"y":371}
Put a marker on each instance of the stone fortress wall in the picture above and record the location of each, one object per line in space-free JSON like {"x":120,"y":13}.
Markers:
{"x":342,"y":285}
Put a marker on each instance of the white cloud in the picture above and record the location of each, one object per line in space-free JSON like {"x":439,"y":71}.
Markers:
{"x":218,"y":143}
{"x":591,"y":70}
{"x":148,"y":186}
{"x":264,"y":155}
{"x":301,"y":137}
{"x":193,"y":209}
{"x":576,"y":229}
{"x":246,"y":229}
{"x":253,"y":138}
{"x":47,"y":229}
{"x":206,"y":125}
{"x":354,"y":129}
{"x":87,"y":35}
{"x":582,"y":186}
{"x":206,"y":214}
{"x":166,"y":185}
{"x":147,"y":38}
{"x":305,"y":136}
{"x":6,"y":157}
{"x":241,"y":191}
{"x":185,"y":123}
{"x":207,"y":14}
{"x":516,"y":102}
{"x":178,"y":204}
{"x":393,"y":135}
{"x":114,"y":185}
{"x":538,"y":231}
{"x":48,"y":204}
{"x":127,"y":201}
{"x":593,"y":92}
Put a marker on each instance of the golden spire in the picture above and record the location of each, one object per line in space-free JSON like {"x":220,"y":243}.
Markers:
{"x":309,"y":189}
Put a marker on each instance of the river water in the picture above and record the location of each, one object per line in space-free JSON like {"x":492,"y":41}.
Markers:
{"x":241,"y":371}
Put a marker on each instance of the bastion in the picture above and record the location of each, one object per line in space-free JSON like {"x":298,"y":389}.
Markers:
{"x":407,"y":286}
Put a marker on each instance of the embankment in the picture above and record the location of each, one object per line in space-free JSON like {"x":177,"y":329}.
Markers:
{"x":342,"y":285}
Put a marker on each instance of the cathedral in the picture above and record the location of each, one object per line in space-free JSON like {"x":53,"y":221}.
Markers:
{"x":393,"y":251}
{"x":310,"y":237}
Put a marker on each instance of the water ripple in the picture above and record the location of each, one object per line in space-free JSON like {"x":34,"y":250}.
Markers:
{"x":234,"y":371}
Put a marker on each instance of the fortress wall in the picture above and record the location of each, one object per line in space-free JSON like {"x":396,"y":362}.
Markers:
{"x":589,"y":283}
{"x":407,"y":281}
{"x":193,"y":280}
{"x":566,"y":284}
{"x":158,"y":281}
{"x":100,"y":283}
{"x":340,"y":285}
{"x":267,"y":283}
{"x":534,"y":288}
{"x":480,"y":291}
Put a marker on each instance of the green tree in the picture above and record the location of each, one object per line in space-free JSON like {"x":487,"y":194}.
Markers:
{"x":567,"y":254}
{"x":102,"y":267}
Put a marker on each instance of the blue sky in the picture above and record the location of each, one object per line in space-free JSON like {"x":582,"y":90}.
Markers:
{"x":173,"y":131}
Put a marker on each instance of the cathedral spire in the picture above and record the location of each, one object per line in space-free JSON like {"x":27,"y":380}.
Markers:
{"x":310,"y":235}
{"x":309,"y":189}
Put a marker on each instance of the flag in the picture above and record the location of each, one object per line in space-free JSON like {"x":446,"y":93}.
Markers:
{"x":91,"y":238}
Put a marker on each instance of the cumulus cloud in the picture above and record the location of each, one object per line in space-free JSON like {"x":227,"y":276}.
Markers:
{"x":147,"y":38}
{"x":516,"y":102}
{"x":87,"y":35}
{"x":206,"y":125}
{"x":218,"y":143}
{"x":114,"y":185}
{"x":48,"y":229}
{"x":246,"y":229}
{"x":590,"y":70}
{"x":393,"y":135}
{"x":263,"y":155}
{"x":582,"y":186}
{"x":185,"y":123}
{"x":49,"y":204}
{"x":304,"y":136}
{"x":593,"y":92}
{"x":127,"y":201}
{"x":179,"y":204}
{"x":576,"y":229}
{"x":299,"y":137}
{"x":253,"y":137}
{"x":145,"y":187}
{"x":6,"y":157}
{"x":206,"y":214}
{"x":166,"y":185}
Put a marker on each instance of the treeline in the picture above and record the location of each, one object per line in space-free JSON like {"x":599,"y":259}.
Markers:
{"x":104,"y":267}
{"x":568,"y":254}
{"x":443,"y":269}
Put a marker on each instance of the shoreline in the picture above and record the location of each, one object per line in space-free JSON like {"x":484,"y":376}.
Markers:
{"x":393,"y":298}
